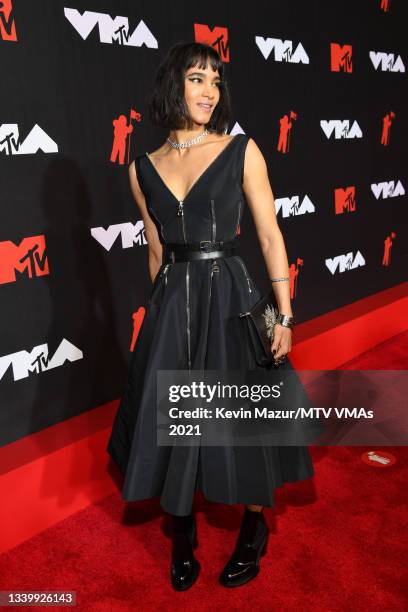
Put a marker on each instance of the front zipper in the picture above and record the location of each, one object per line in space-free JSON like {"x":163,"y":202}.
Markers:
{"x":180,"y":213}
{"x":245,"y":272}
{"x":161,"y":275}
{"x":211,"y":280}
{"x":214,"y":223}
{"x":215,"y":267}
{"x":188,"y":313}
{"x":166,"y":267}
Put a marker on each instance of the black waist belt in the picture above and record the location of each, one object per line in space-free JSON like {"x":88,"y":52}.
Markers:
{"x":199,"y":250}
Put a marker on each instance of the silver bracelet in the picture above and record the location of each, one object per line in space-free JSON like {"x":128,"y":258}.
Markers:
{"x":280,"y":279}
{"x":285,"y":320}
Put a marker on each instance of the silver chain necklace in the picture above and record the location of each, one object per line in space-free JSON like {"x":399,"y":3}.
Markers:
{"x":188,"y":143}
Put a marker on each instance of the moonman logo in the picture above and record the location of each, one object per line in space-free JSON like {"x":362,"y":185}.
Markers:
{"x":387,"y":249}
{"x":28,"y":259}
{"x":130,"y":234}
{"x":285,"y":128}
{"x":344,"y":200}
{"x":37,"y":361}
{"x":36,"y":140}
{"x":341,"y":58}
{"x":293,"y":276}
{"x":387,"y":62}
{"x":386,"y":127}
{"x":7,"y":23}
{"x":340,"y":128}
{"x":121,"y":131}
{"x":293,"y":206}
{"x":111,"y":30}
{"x":387,"y":189}
{"x":341,"y":263}
{"x":217,"y":37}
{"x":283,"y":50}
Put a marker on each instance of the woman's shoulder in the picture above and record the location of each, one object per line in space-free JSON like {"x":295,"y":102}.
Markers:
{"x":135,"y":165}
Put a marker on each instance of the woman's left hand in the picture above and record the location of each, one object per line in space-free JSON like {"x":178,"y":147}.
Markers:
{"x":282,"y":341}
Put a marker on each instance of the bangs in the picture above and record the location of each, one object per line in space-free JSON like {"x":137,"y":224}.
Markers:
{"x":202,"y":56}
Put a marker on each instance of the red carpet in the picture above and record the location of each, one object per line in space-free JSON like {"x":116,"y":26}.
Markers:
{"x":338,"y":542}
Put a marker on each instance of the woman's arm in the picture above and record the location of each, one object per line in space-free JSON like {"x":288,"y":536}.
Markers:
{"x":152,"y":236}
{"x":261,"y":202}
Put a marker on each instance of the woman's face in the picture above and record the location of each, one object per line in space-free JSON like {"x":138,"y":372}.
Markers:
{"x":201,"y":92}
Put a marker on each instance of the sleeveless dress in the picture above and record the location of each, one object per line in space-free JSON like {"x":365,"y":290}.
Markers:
{"x":191,"y":322}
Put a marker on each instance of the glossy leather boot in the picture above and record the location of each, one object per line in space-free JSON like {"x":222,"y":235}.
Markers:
{"x":251,"y":545}
{"x":184,"y":566}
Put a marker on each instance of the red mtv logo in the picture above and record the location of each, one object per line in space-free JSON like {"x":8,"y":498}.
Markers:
{"x":7,"y":23}
{"x":26,"y":259}
{"x":344,"y":199}
{"x":217,"y":37}
{"x":341,"y":58}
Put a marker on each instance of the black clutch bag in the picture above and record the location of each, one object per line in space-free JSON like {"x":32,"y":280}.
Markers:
{"x":259,"y":322}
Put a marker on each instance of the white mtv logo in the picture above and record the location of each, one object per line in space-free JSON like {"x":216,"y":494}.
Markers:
{"x":341,"y":263}
{"x":111,"y":30}
{"x":341,"y":128}
{"x":37,"y":361}
{"x":283,"y":50}
{"x":130,"y":233}
{"x":291,"y":207}
{"x":387,"y":61}
{"x":36,"y":140}
{"x":388,"y":189}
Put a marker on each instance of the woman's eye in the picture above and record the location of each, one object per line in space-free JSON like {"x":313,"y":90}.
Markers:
{"x":217,"y":84}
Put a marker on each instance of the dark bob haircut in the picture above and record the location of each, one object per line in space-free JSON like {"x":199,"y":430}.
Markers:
{"x":166,"y":106}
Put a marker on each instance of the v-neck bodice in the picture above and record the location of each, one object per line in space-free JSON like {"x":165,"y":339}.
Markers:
{"x":213,"y":206}
{"x":197,"y":180}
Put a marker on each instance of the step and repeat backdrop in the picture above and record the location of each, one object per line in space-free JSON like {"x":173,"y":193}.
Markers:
{"x":320,"y":86}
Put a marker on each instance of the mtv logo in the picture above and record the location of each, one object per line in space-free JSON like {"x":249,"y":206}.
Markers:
{"x":216,"y":37}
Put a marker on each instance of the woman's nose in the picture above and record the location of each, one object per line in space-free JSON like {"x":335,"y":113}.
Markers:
{"x":207,"y":90}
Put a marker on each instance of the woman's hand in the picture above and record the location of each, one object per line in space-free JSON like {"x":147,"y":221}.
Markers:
{"x":282,"y":341}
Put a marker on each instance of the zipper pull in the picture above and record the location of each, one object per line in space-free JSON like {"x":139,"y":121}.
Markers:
{"x":215,"y":267}
{"x":180,"y":208}
{"x":166,"y":267}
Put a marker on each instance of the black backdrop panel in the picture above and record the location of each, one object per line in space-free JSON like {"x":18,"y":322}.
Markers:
{"x":73,"y":257}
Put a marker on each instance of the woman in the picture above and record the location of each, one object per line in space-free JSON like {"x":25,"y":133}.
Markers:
{"x":190,"y":193}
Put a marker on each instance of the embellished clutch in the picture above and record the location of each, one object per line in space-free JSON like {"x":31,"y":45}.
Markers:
{"x":260,"y":322}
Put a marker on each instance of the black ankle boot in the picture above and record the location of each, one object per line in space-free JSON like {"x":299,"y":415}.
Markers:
{"x":184,"y":566}
{"x":250,"y":546}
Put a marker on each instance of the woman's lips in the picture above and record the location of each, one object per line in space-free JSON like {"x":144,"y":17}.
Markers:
{"x":206,"y":107}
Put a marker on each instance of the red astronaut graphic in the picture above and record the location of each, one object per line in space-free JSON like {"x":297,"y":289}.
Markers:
{"x":120,"y":136}
{"x":387,"y":249}
{"x":284,"y":132}
{"x":293,"y":276}
{"x":385,"y":134}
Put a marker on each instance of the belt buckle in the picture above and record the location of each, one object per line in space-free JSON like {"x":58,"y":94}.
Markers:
{"x":203,"y":242}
